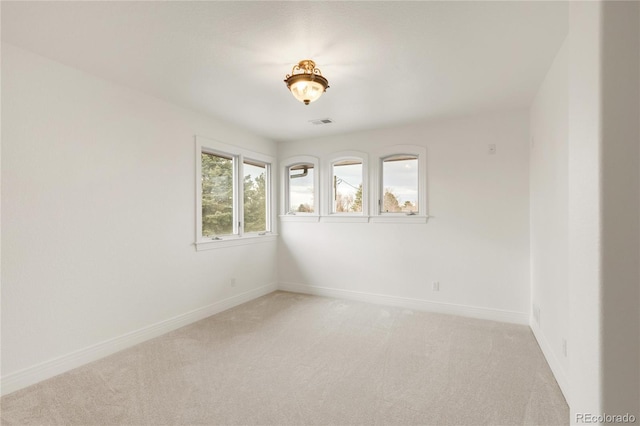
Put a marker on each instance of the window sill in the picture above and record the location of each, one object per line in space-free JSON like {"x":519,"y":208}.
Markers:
{"x":235,"y":241}
{"x":399,"y":219}
{"x":299,"y":218}
{"x":337,"y":218}
{"x":344,"y":218}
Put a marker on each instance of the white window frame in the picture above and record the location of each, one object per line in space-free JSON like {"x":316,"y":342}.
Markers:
{"x":239,"y":155}
{"x":328,"y":215}
{"x":377,"y":186}
{"x":287,"y":215}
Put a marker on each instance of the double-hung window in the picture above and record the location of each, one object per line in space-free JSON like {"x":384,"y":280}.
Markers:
{"x":233,"y":195}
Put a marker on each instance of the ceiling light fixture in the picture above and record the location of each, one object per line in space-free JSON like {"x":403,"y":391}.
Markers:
{"x":306,"y":82}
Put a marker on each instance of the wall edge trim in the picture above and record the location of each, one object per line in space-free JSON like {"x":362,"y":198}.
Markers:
{"x":410,"y":303}
{"x":61,"y":364}
{"x":554,"y":364}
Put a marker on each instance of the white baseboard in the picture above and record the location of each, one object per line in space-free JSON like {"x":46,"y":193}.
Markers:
{"x":45,"y":370}
{"x":552,"y":360}
{"x":410,"y":303}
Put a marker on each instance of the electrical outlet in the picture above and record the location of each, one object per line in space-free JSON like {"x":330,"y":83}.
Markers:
{"x":435,"y":286}
{"x":233,"y":282}
{"x":492,"y":148}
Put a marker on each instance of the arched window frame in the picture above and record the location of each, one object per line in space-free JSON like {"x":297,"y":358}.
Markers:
{"x":328,"y":214}
{"x":378,"y":190}
{"x":286,"y":214}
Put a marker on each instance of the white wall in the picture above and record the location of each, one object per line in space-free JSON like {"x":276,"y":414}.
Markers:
{"x":476,"y":244}
{"x":584,"y":207}
{"x":549,"y":192}
{"x":98,"y":209}
{"x":603,"y":208}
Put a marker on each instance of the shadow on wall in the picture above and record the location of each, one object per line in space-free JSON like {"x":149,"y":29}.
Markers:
{"x":289,"y":264}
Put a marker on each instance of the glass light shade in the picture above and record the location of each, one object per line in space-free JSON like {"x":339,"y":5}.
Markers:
{"x":306,"y":82}
{"x":306,"y":91}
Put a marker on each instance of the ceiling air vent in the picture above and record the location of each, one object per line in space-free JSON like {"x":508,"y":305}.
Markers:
{"x":321,"y":121}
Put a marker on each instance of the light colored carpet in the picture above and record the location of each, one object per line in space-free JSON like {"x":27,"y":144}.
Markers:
{"x":300,"y":360}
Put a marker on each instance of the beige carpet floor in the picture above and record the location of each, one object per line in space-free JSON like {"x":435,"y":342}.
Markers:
{"x":291,"y":359}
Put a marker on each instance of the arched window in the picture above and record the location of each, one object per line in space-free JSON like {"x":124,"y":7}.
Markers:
{"x":346,"y":186}
{"x":300,"y":186}
{"x":400,"y":188}
{"x":401,"y":185}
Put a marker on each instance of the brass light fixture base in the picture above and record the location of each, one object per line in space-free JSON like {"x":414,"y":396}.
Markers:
{"x":306,"y":82}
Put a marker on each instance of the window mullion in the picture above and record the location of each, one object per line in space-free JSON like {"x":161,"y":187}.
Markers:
{"x":268,"y":201}
{"x":239,"y":205}
{"x":381,"y":186}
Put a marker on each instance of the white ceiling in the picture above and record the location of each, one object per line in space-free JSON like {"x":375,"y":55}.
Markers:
{"x":387,"y":63}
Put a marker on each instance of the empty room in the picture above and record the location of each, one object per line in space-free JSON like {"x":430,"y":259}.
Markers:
{"x":320,"y":212}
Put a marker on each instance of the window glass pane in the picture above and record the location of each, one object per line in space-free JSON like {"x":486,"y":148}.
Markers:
{"x":301,"y":188}
{"x":400,"y":184}
{"x":217,"y":195}
{"x":347,"y":187}
{"x":255,"y":197}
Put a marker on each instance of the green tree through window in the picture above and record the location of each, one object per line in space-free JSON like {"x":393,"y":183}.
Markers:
{"x":347,"y":186}
{"x":234,"y":195}
{"x":217,"y":195}
{"x":255,"y":197}
{"x":357,"y":203}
